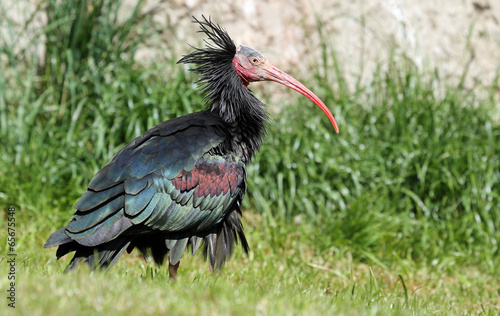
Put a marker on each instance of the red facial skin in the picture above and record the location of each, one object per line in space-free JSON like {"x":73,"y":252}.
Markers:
{"x":256,"y":68}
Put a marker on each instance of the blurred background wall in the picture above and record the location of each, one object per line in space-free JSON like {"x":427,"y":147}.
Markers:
{"x":460,"y":38}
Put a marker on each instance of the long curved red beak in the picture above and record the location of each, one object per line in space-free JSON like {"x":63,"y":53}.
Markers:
{"x":273,"y":73}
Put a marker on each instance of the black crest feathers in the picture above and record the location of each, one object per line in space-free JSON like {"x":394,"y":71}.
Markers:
{"x":213,"y":63}
{"x":220,"y":49}
{"x":222,"y":43}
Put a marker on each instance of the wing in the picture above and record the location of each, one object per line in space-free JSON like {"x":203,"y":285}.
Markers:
{"x":137,"y":182}
{"x":173,"y":145}
{"x":194,"y":201}
{"x":171,"y":181}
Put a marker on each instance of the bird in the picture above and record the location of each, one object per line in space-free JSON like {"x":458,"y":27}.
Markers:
{"x":180,"y":185}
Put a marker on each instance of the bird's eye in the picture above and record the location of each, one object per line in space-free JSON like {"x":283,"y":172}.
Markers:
{"x":254,"y":60}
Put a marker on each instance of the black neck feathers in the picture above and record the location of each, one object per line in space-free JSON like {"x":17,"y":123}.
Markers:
{"x":225,"y":92}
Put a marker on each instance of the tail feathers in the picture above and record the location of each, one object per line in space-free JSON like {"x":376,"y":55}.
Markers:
{"x":107,"y":253}
{"x":174,"y":246}
{"x":210,"y":248}
{"x":102,"y":256}
{"x":57,"y":238}
{"x":219,"y":246}
{"x":236,"y":228}
{"x":195,"y":243}
{"x":177,"y":250}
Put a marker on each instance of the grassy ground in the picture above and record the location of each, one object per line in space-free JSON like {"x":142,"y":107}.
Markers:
{"x":399,"y":214}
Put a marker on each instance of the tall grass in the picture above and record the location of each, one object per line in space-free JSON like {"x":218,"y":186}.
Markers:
{"x":65,"y":114}
{"x":411,"y":184}
{"x":414,"y":175}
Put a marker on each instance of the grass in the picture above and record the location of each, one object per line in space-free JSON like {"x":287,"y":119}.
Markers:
{"x":290,"y":278}
{"x":397,"y":215}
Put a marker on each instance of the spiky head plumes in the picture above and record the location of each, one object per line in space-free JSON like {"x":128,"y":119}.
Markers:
{"x":213,"y":63}
{"x":225,"y":90}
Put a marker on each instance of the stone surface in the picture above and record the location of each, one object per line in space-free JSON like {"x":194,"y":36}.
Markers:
{"x":449,"y":35}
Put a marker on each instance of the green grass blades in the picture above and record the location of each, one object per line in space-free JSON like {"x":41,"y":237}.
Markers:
{"x":286,"y":279}
{"x":397,"y":215}
{"x":413,"y":174}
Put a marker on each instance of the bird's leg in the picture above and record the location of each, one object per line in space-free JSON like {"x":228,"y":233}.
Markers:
{"x":172,"y":270}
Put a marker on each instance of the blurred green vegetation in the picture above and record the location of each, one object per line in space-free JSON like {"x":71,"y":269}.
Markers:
{"x":411,"y":182}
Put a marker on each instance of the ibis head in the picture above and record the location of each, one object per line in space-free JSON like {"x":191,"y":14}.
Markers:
{"x":251,"y":66}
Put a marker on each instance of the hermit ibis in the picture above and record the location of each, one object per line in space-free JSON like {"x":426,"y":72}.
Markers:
{"x":181,"y":183}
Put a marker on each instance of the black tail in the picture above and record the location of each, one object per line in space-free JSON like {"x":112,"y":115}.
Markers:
{"x":219,"y":246}
{"x":101,"y":256}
